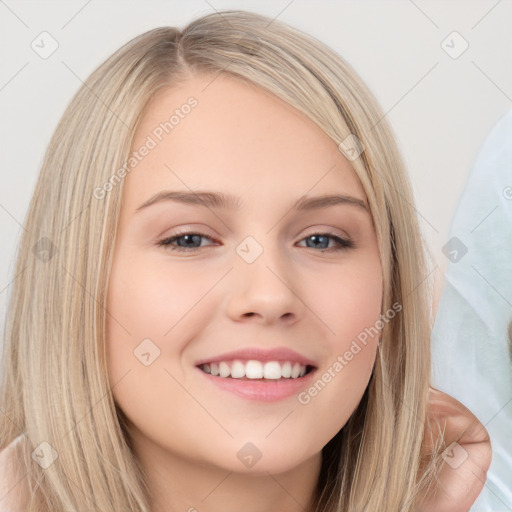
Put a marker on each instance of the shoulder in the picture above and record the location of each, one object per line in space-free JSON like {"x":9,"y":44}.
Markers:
{"x":11,"y":482}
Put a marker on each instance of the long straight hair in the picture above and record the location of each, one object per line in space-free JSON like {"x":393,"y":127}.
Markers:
{"x":55,"y":386}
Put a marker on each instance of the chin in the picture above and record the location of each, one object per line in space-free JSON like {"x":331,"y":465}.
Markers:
{"x":249,"y":459}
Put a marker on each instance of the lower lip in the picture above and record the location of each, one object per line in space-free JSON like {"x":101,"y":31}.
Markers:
{"x":263,"y":391}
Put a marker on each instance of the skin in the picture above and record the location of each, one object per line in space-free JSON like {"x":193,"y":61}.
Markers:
{"x":461,"y":480}
{"x":201,"y":303}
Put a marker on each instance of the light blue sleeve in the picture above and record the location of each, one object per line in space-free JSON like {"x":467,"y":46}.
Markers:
{"x":470,"y":353}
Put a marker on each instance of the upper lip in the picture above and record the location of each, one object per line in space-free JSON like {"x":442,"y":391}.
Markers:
{"x":259,"y":354}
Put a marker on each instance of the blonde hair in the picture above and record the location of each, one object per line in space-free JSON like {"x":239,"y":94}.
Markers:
{"x":55,"y":385}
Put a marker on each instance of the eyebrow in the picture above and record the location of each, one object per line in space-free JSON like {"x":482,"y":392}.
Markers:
{"x":211,"y":199}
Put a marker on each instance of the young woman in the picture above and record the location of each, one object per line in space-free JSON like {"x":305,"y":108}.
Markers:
{"x":219,"y":300}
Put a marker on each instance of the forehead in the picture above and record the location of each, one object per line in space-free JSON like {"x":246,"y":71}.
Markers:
{"x":219,"y":132}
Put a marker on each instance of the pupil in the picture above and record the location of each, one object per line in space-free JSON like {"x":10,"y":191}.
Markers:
{"x":316,"y":238}
{"x":189,"y":238}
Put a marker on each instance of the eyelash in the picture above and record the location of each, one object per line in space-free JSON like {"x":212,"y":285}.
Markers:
{"x":343,"y":244}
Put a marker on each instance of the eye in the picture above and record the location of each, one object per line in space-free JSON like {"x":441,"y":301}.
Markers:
{"x":187,"y":241}
{"x":190,"y":238}
{"x":319,"y":239}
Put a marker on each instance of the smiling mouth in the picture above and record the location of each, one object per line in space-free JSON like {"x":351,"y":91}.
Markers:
{"x":254,"y":370}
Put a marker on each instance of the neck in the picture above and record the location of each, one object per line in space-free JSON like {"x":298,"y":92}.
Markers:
{"x":179,"y":484}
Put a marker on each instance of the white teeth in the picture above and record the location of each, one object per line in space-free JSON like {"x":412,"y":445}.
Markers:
{"x":253,"y":369}
{"x":286,"y":370}
{"x":224,"y":370}
{"x":237,"y":370}
{"x":214,"y":368}
{"x":295,"y":370}
{"x":272,"y":370}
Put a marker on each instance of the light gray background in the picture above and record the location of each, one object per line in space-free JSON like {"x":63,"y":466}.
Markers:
{"x":440,"y":108}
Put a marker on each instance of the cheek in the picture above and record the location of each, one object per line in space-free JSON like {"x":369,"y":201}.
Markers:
{"x":351,"y":301}
{"x":145,"y":302}
{"x":139,"y":309}
{"x":350,"y":307}
{"x":147,"y":314}
{"x":150,"y":310}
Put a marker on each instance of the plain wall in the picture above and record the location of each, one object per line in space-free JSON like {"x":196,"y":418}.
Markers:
{"x":440,"y":107}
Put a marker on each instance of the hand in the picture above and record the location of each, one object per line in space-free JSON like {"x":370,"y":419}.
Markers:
{"x":465,"y":465}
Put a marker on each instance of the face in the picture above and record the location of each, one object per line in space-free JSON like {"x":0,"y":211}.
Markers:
{"x":281,"y":283}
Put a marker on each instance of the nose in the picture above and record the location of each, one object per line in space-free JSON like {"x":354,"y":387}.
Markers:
{"x":263,"y":291}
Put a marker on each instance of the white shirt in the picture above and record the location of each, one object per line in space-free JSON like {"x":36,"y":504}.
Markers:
{"x":469,"y":341}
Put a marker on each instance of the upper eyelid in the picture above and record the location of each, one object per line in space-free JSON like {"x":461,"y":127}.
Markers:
{"x":317,"y":231}
{"x":322,"y":232}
